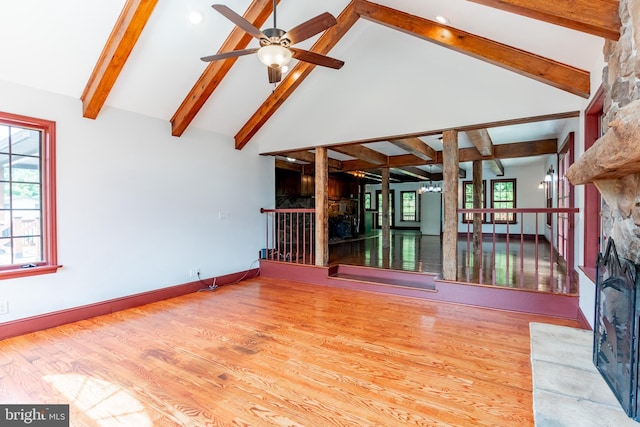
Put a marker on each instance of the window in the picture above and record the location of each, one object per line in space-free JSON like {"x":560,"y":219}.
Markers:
{"x":27,"y":196}
{"x":468,"y":200}
{"x":409,"y":207}
{"x":367,"y":201}
{"x":503,"y":196}
{"x":379,"y":206}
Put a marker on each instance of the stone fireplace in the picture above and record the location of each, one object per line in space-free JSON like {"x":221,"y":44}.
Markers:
{"x":613,"y":165}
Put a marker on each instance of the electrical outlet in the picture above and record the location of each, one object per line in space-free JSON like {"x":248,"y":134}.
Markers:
{"x":4,"y":307}
{"x":194,"y":271}
{"x":224,"y":215}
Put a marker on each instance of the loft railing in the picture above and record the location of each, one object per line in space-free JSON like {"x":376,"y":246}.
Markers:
{"x":289,"y":235}
{"x":529,"y":248}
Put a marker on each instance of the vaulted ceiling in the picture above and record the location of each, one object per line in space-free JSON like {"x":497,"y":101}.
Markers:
{"x":498,"y":67}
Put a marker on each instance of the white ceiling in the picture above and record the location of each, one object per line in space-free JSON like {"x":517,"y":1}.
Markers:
{"x":392,"y":83}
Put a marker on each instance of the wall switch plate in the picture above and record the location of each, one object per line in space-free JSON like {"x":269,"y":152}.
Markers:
{"x":224,"y":215}
{"x":4,"y":307}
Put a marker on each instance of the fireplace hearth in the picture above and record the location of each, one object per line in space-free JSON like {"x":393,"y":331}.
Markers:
{"x":615,"y":342}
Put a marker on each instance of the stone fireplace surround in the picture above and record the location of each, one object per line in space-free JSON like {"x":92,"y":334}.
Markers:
{"x":613,"y":162}
{"x":613,"y":165}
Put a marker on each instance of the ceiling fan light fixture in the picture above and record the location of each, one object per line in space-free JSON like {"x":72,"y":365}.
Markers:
{"x":274,"y":55}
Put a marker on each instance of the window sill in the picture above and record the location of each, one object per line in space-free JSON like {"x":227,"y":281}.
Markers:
{"x":30,"y":271}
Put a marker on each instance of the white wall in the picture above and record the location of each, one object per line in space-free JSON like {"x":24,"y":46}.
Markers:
{"x":431,"y":214}
{"x":137,"y":208}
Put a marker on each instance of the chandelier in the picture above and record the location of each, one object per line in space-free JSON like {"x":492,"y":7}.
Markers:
{"x":430,"y":188}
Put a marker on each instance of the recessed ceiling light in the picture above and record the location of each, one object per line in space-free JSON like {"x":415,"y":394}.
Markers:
{"x":196,"y":17}
{"x":442,"y":19}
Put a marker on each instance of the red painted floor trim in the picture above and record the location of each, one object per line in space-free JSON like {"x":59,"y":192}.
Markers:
{"x":544,"y":303}
{"x":582,"y":320}
{"x":49,"y":320}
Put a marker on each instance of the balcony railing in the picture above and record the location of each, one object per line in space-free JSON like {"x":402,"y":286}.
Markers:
{"x":290,"y":235}
{"x":534,"y":249}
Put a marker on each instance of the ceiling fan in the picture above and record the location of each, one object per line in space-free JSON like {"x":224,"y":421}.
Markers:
{"x":275,"y":49}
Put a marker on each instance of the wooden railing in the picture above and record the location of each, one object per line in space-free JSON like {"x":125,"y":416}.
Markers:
{"x":290,"y":235}
{"x":534,"y":245}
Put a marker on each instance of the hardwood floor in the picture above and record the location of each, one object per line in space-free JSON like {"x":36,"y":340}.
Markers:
{"x":411,"y":251}
{"x":270,"y":352}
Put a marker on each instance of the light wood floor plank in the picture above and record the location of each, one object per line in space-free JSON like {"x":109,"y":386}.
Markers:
{"x":268,"y":352}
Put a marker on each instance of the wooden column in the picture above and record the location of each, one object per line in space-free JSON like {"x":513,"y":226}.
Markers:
{"x":361,"y":209}
{"x":322,"y":207}
{"x":450,"y":177}
{"x":386,"y":229}
{"x":477,"y":204}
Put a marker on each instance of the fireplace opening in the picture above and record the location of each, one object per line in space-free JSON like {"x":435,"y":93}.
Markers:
{"x":615,"y":343}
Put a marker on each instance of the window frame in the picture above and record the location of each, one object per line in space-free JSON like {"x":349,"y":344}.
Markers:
{"x":467,"y":218}
{"x":367,"y":197}
{"x":514,"y":218}
{"x":392,"y":201}
{"x":48,"y":195}
{"x":416,"y":207}
{"x":592,"y":229}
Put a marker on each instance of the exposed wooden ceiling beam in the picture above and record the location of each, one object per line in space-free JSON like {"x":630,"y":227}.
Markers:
{"x":363,"y":153}
{"x":377,"y":175}
{"x":307,"y":156}
{"x":481,"y":139}
{"x":257,"y":13}
{"x":282,"y":164}
{"x":296,"y":76}
{"x":542,"y":69}
{"x":597,"y":17}
{"x":414,"y":172}
{"x":354,"y":165}
{"x":123,"y":38}
{"x":416,"y":147}
{"x":496,"y":166}
{"x":501,"y":151}
{"x":512,"y":151}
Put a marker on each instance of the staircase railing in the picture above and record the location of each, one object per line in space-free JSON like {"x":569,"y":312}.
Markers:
{"x":290,"y":235}
{"x":525,"y":244}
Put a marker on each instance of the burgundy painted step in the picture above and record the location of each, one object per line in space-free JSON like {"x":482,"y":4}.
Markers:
{"x":408,"y":279}
{"x":377,"y":280}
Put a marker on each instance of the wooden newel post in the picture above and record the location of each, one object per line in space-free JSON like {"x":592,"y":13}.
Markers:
{"x":450,"y":173}
{"x":322,"y":207}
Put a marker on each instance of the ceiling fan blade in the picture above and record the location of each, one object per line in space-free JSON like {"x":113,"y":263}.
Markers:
{"x":316,"y":58}
{"x":230,"y":54}
{"x":275,"y":74}
{"x":310,"y":28}
{"x":239,"y":21}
